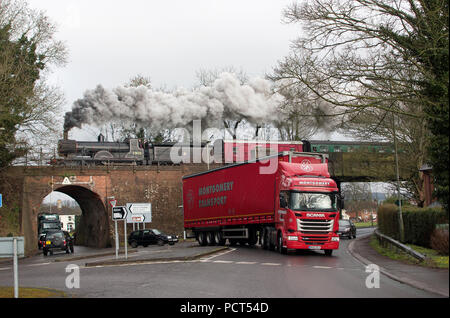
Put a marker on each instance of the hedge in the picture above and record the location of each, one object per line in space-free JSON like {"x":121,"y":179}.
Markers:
{"x":419,"y":223}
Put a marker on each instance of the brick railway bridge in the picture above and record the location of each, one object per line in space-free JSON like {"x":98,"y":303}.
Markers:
{"x":92,"y":187}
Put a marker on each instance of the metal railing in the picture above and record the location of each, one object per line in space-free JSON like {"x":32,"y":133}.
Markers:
{"x":397,"y":244}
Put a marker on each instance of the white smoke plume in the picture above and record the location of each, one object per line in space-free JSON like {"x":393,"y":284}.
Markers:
{"x":226,"y":98}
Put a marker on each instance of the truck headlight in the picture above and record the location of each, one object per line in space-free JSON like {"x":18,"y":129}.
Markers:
{"x":335,"y":239}
{"x":292,"y":238}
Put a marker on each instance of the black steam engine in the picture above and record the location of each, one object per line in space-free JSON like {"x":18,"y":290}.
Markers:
{"x":128,"y":152}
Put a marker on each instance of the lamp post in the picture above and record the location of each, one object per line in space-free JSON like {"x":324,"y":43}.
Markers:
{"x":400,"y":216}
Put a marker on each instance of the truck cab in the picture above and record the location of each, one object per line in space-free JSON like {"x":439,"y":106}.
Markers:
{"x":307,"y":212}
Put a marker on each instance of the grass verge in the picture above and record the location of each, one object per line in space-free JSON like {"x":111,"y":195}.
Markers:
{"x":434,"y":260}
{"x":365,"y":224}
{"x":29,"y":292}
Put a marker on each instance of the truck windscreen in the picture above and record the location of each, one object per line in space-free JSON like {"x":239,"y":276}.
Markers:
{"x":306,"y":201}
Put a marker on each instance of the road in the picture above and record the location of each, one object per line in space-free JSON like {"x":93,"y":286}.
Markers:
{"x":242,"y":272}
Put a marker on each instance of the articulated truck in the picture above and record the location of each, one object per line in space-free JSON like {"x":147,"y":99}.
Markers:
{"x":285,"y":201}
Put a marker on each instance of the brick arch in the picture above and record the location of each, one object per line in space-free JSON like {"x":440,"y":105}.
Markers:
{"x":93,"y":230}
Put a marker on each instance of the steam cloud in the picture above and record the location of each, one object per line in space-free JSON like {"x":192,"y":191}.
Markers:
{"x":226,"y":98}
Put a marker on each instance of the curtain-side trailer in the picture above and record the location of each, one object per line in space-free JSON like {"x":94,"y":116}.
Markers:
{"x":285,"y":201}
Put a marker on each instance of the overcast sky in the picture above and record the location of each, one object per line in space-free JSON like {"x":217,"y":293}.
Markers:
{"x":167,"y":40}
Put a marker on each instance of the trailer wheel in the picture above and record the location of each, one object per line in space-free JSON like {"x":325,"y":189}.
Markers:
{"x":201,"y":238}
{"x":210,"y":239}
{"x":218,"y":238}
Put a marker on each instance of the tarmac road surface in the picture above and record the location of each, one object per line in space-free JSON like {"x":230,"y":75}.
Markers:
{"x":241,"y":272}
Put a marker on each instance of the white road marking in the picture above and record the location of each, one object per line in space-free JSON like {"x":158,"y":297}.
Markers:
{"x":271,"y":264}
{"x":4,"y":268}
{"x":246,"y":263}
{"x":223,"y":262}
{"x":40,"y":264}
{"x":323,"y":267}
{"x":203,"y":260}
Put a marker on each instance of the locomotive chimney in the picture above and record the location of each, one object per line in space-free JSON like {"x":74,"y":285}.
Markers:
{"x":66,"y":134}
{"x":101,"y":138}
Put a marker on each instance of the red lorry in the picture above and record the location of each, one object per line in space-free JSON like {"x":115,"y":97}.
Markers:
{"x":284,"y":201}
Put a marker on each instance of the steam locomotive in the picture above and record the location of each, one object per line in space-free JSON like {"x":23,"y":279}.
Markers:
{"x":141,"y":152}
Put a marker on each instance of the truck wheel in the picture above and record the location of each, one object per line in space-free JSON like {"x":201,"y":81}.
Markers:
{"x":134,"y":244}
{"x":160,"y":242}
{"x":253,"y":238}
{"x":264,"y":241}
{"x":210,"y":239}
{"x":328,"y":252}
{"x":281,"y":249}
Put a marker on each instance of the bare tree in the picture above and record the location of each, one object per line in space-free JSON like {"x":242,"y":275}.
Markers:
{"x":29,"y":105}
{"x":362,"y":54}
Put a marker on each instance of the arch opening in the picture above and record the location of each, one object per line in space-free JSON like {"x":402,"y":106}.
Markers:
{"x":92,"y":227}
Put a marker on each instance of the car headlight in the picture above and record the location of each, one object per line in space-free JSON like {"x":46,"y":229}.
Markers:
{"x":292,"y":238}
{"x":335,"y":239}
{"x":169,"y":237}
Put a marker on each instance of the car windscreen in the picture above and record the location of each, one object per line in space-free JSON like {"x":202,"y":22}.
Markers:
{"x":156,"y":232}
{"x":344,"y":223}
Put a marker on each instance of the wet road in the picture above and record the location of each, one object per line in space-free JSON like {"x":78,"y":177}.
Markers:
{"x":243,"y":272}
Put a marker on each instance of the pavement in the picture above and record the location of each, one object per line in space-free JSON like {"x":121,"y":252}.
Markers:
{"x":433,"y":280}
{"x":182,"y":251}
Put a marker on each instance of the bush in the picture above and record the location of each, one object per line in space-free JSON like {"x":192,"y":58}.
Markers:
{"x":419,"y":223}
{"x":439,"y":241}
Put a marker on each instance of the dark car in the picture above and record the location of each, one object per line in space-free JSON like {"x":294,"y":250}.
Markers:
{"x":41,"y":236}
{"x":57,"y":241}
{"x":347,"y":228}
{"x":150,"y":236}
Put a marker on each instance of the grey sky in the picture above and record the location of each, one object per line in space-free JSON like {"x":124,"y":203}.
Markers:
{"x":111,"y":41}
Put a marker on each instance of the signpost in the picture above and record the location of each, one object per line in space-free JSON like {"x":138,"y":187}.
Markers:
{"x":13,"y":247}
{"x":120,"y":213}
{"x":135,"y":213}
{"x":139,"y":213}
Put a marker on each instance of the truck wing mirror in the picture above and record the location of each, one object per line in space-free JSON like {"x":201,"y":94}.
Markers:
{"x":341,"y":203}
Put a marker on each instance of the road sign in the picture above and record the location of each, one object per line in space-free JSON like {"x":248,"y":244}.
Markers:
{"x":13,"y":247}
{"x":119,"y":213}
{"x":138,"y":218}
{"x":113,"y":202}
{"x":1,"y":200}
{"x":66,"y":181}
{"x":6,"y":246}
{"x":139,"y":212}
